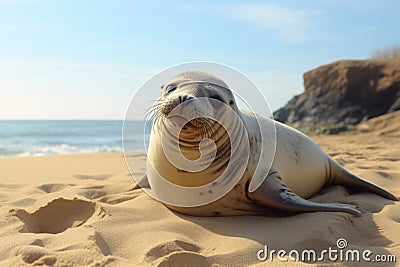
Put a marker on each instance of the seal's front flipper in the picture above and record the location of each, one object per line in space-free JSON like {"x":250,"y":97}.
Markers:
{"x":143,"y":183}
{"x":275,"y":194}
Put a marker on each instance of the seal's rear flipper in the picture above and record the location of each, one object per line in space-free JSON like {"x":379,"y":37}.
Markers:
{"x":143,"y":183}
{"x":341,"y":176}
{"x":275,"y":194}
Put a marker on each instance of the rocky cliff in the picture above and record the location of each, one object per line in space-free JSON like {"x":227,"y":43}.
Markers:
{"x":342,"y":94}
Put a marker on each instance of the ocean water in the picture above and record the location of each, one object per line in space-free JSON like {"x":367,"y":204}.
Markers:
{"x":51,"y":137}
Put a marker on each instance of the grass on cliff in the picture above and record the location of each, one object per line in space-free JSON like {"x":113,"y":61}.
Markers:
{"x":392,"y":52}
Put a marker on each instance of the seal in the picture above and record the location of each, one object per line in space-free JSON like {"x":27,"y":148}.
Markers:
{"x":298,"y":170}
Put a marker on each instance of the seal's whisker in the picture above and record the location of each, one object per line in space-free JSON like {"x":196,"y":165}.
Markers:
{"x":156,"y":116}
{"x":155,"y":106}
{"x":160,"y":122}
{"x":153,"y":102}
{"x":153,"y":114}
{"x":152,"y":111}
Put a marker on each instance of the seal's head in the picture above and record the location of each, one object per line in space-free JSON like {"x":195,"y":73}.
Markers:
{"x":180,"y":97}
{"x":195,"y":119}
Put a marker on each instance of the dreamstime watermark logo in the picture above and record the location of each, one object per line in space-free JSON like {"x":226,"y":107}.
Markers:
{"x":339,"y":254}
{"x":213,"y":109}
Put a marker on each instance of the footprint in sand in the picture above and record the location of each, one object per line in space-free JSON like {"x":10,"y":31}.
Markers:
{"x":182,"y":258}
{"x":384,"y":175}
{"x":59,"y":215}
{"x":37,"y":255}
{"x":93,"y":192}
{"x":372,"y":167}
{"x":118,"y":198}
{"x":51,"y":188}
{"x":92,"y":177}
{"x":176,"y":253}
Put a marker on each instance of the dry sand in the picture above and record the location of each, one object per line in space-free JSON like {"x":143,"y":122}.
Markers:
{"x":80,"y":210}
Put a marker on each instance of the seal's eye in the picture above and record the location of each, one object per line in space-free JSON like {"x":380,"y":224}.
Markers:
{"x":217,"y":97}
{"x":170,"y":88}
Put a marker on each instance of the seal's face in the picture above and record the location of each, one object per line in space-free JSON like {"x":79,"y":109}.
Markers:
{"x":195,"y":118}
{"x":179,"y":100}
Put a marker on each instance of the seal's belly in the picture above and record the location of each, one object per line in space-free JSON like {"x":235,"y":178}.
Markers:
{"x":232,"y":204}
{"x":300,"y":162}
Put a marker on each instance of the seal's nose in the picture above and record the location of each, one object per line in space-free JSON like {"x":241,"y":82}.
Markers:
{"x":185,"y":98}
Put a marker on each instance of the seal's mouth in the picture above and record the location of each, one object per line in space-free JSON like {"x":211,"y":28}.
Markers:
{"x":180,"y":121}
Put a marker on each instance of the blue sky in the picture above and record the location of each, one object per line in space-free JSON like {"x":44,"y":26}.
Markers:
{"x":86,"y":59}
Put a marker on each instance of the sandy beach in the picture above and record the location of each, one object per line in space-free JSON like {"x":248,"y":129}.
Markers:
{"x":82,"y":82}
{"x":81,"y":210}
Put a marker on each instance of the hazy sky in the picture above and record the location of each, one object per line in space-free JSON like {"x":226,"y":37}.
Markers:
{"x":85,"y":59}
